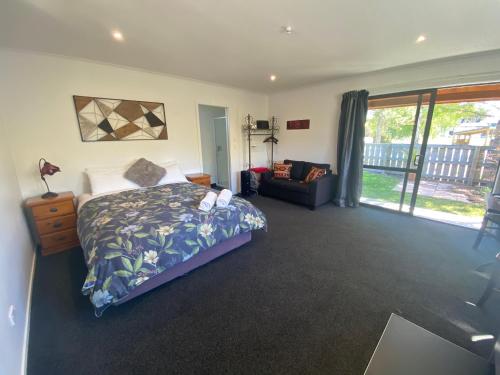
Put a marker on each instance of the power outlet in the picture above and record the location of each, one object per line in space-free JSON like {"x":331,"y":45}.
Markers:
{"x":12,"y":315}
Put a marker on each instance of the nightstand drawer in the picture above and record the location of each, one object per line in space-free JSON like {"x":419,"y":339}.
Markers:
{"x":59,"y":238}
{"x":56,"y":224}
{"x":55,"y":209}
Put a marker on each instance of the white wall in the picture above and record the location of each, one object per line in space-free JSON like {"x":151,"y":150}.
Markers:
{"x":321,"y":103}
{"x":37,"y":106}
{"x":17,"y":256}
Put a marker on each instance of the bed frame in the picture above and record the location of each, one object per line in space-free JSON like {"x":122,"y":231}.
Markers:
{"x":185,"y":267}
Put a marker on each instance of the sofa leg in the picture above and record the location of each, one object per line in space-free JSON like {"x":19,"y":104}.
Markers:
{"x":312,"y":208}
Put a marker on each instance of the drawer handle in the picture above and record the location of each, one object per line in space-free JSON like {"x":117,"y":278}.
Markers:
{"x":61,"y":238}
{"x":57,"y":224}
{"x":53,"y":209}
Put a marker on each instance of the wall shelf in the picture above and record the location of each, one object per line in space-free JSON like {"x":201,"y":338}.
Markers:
{"x":250,"y":130}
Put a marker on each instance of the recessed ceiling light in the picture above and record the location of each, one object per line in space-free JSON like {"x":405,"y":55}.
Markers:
{"x":287,"y":29}
{"x":272,"y":77}
{"x":421,"y":39}
{"x":117,"y":35}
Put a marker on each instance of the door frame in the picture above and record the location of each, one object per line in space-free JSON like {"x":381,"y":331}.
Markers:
{"x":228,"y":135}
{"x":423,"y":148}
{"x":227,"y":150}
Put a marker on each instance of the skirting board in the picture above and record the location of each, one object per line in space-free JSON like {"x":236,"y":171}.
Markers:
{"x":24,"y":364}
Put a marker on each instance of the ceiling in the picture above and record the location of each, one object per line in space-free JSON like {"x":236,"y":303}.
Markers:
{"x":240,"y":42}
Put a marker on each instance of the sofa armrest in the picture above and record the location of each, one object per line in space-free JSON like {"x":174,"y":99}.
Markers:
{"x":320,"y":182}
{"x":322,"y":189}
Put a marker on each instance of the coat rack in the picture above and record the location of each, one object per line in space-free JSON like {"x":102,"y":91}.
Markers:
{"x":274,"y":129}
{"x":251,"y":130}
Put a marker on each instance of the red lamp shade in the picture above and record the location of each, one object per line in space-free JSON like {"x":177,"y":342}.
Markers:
{"x":47,"y":169}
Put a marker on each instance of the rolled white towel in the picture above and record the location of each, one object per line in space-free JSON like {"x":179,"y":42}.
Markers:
{"x":224,"y":198}
{"x":208,"y":202}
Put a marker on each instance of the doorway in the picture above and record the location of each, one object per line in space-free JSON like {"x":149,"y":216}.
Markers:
{"x":433,"y":153}
{"x":214,"y":134}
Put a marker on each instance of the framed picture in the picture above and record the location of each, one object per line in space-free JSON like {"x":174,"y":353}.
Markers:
{"x":297,"y":124}
{"x":105,"y":119}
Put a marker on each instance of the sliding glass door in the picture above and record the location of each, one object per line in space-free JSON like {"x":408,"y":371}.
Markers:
{"x":461,"y":156}
{"x":433,"y":153}
{"x":396,"y":133}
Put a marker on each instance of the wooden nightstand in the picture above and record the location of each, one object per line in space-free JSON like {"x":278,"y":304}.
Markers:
{"x":53,"y":222}
{"x":200,"y":179}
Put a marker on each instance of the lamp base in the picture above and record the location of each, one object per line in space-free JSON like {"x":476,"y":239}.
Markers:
{"x":49,"y":195}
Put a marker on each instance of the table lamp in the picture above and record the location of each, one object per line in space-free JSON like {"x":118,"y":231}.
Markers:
{"x":47,"y":169}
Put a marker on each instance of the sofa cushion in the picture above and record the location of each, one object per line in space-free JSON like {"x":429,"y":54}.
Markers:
{"x":290,"y":185}
{"x":308,"y":166}
{"x":282,"y":171}
{"x":314,"y":174}
{"x":297,"y":168}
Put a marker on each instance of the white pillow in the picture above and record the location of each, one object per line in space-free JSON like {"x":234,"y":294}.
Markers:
{"x":173,"y":174}
{"x":105,"y":180}
{"x":110,"y":179}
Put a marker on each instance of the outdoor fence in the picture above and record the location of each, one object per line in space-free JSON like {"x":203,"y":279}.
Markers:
{"x":470,"y":165}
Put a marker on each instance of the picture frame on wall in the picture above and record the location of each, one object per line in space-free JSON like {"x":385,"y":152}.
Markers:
{"x":105,"y":119}
{"x":297,"y":124}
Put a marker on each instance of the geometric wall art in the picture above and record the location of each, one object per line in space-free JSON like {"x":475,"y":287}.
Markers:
{"x":104,"y":119}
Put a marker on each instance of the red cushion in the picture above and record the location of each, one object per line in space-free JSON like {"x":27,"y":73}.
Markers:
{"x":314,"y":174}
{"x":259,"y":169}
{"x":282,"y":170}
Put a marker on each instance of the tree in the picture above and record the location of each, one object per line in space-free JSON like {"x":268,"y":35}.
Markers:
{"x":396,"y":124}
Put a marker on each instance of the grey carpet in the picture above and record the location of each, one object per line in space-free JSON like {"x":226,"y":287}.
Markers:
{"x":311,"y":296}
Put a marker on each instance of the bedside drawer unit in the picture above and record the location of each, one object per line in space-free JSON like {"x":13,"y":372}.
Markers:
{"x":53,"y":222}
{"x":200,"y":179}
{"x":58,"y":239}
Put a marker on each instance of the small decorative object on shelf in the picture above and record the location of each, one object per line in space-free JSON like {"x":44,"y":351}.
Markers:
{"x":249,"y":123}
{"x":47,"y":169}
{"x":263,"y":124}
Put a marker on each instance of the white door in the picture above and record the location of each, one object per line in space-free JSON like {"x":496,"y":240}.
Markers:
{"x":221,"y":150}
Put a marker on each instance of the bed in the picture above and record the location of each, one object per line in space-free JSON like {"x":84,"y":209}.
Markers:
{"x":138,"y":239}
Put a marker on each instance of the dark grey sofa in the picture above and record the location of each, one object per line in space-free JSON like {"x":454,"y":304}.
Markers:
{"x":312,"y":195}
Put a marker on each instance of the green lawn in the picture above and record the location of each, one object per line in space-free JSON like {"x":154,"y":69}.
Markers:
{"x":380,"y":187}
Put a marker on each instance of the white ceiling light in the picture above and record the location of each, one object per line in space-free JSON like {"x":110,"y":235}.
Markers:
{"x":421,"y":38}
{"x":287,"y":29}
{"x":117,"y":35}
{"x":272,"y":77}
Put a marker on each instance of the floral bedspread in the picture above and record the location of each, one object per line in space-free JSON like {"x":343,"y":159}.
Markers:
{"x":132,"y":236}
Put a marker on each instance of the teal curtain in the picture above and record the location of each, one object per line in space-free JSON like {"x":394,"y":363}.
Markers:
{"x":350,"y":148}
